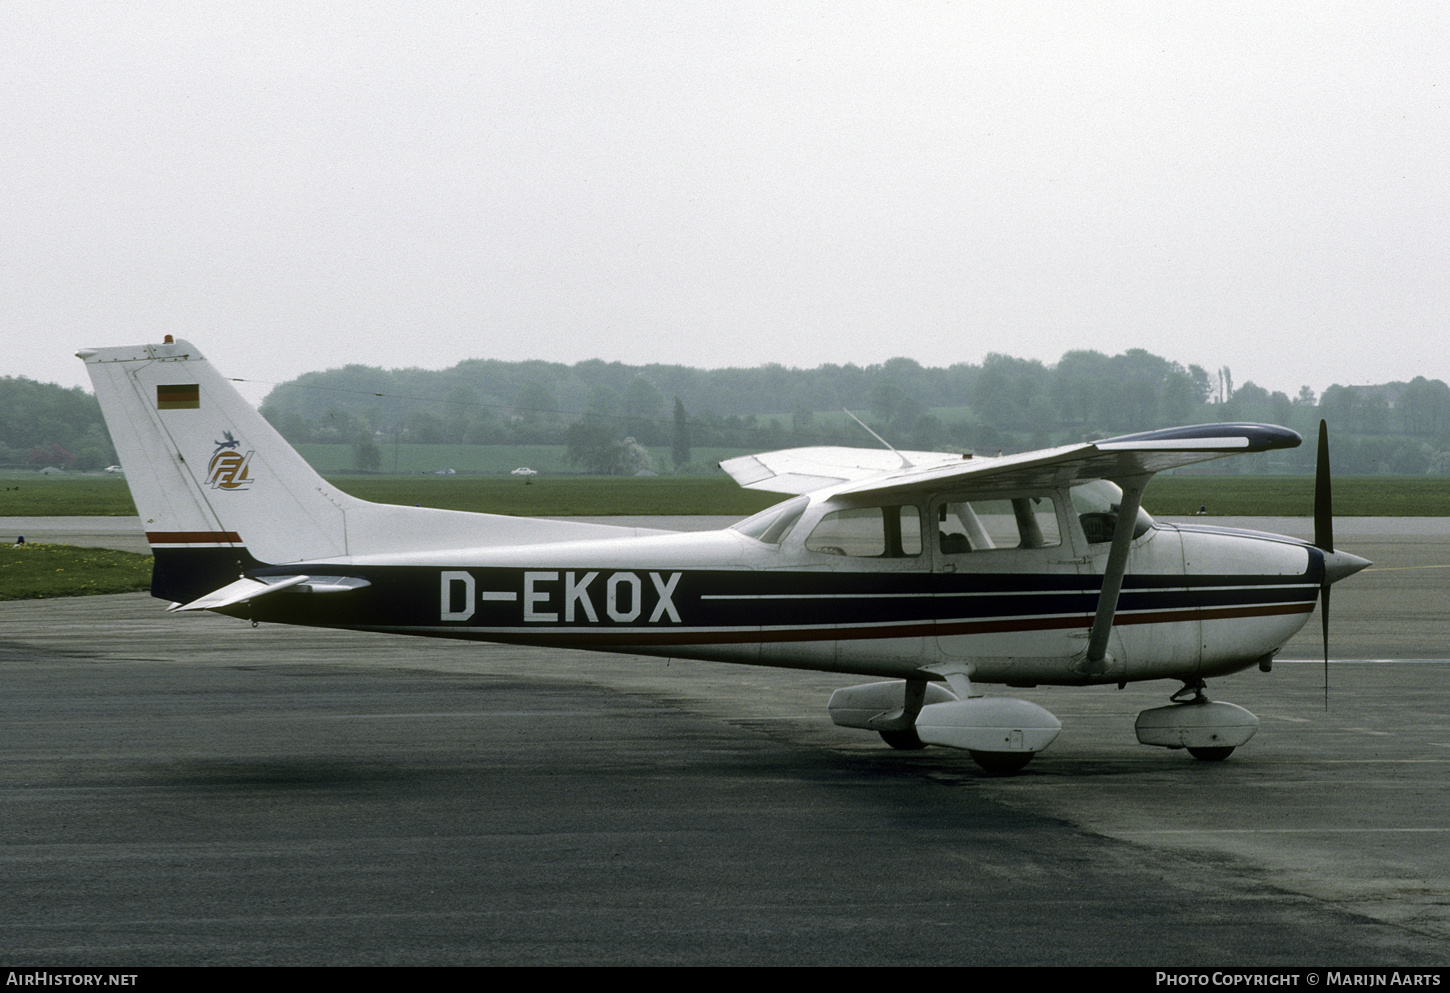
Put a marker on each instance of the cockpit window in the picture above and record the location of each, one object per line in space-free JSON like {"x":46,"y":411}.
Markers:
{"x":981,"y":525}
{"x":772,"y":524}
{"x":869,"y":532}
{"x":1096,"y":505}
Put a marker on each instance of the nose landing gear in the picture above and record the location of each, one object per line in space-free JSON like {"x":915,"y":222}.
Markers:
{"x":1210,"y":730}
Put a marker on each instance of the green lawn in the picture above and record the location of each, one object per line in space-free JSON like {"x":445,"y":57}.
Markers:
{"x":33,"y":495}
{"x":36,"y":572}
{"x":1293,"y":496}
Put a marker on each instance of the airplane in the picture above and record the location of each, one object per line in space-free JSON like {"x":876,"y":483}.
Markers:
{"x":933,"y":574}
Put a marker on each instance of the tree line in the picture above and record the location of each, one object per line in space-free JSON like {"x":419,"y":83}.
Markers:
{"x":604,"y":413}
{"x":608,"y":415}
{"x":44,"y":425}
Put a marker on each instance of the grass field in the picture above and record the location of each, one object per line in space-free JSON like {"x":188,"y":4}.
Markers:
{"x":1293,"y":496}
{"x":37,"y":572}
{"x":33,"y":495}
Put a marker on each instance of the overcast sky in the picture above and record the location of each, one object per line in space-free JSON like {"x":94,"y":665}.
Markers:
{"x":296,"y":186}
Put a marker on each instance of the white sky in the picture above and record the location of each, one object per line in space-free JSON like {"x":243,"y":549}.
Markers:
{"x":295,"y":186}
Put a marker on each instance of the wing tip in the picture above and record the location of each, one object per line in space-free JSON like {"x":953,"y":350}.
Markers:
{"x":1234,"y":436}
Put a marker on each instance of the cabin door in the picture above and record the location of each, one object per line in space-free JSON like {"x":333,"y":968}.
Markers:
{"x":1009,"y":585}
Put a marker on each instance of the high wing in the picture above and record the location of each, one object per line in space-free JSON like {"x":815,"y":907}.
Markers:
{"x":884,"y":473}
{"x":802,"y":470}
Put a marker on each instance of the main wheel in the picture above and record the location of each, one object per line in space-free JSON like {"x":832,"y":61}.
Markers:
{"x":1001,"y":763}
{"x":907,"y":740}
{"x":1215,"y":754}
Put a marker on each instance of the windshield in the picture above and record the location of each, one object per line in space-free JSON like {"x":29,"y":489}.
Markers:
{"x":773,"y":523}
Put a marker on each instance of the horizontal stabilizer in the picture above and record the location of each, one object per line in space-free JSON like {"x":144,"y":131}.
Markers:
{"x":239,"y":592}
{"x":244,"y":590}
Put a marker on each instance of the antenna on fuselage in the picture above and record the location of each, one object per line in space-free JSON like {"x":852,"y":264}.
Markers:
{"x":905,"y":462}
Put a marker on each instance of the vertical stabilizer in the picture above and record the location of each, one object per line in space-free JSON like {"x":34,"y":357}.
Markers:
{"x":220,"y":491}
{"x":212,"y":480}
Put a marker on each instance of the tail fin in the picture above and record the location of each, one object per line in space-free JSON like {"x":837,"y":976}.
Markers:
{"x":208,"y":473}
{"x":220,"y":492}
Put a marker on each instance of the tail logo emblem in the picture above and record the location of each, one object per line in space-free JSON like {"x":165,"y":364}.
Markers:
{"x":228,"y":468}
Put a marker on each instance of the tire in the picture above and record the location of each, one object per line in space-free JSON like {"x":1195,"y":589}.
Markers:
{"x":1001,"y":763}
{"x":906,"y":741}
{"x":1215,"y":754}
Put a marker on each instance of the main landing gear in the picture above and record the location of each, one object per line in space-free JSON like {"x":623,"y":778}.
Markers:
{"x":1210,"y":730}
{"x":906,"y":740}
{"x":1000,"y":733}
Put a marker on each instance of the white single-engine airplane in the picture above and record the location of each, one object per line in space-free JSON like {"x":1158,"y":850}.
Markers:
{"x":933,"y":572}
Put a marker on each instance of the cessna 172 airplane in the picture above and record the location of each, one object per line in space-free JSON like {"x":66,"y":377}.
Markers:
{"x":932,"y":573}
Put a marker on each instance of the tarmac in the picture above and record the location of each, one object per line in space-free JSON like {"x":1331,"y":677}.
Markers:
{"x":189,"y":790}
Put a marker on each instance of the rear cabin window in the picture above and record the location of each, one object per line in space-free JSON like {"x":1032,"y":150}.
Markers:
{"x":988,"y":525}
{"x":869,"y":532}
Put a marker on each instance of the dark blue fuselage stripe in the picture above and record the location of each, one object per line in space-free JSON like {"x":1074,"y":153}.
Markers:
{"x":643,"y":637}
{"x":723,"y":606}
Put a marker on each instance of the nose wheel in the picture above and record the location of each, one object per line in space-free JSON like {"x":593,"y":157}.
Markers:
{"x":1211,"y":754}
{"x":1209,"y":729}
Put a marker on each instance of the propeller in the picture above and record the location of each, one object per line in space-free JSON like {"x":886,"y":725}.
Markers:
{"x":1337,"y":565}
{"x":1324,"y":537}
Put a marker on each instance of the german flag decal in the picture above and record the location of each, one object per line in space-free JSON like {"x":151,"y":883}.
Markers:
{"x":186,"y":396}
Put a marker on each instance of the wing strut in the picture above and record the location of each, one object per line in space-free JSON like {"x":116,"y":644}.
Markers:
{"x":1133,"y":487}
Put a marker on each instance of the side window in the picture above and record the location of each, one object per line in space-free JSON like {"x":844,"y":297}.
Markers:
{"x":869,"y":532}
{"x":985,"y":525}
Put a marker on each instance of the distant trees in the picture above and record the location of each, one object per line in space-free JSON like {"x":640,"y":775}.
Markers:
{"x":609,"y":415}
{"x":56,"y":456}
{"x":643,"y":406}
{"x":51,"y":425}
{"x":680,"y":438}
{"x":1005,"y":403}
{"x":1425,"y":407}
{"x":366,"y":456}
{"x":600,"y":451}
{"x":594,"y":447}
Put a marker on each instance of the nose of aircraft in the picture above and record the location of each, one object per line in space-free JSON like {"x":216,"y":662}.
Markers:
{"x":1342,"y":565}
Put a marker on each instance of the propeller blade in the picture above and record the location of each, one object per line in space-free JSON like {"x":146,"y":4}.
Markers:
{"x":1323,"y":498}
{"x":1324,"y":537}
